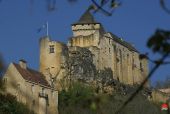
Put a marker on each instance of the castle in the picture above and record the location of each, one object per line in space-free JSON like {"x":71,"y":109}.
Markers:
{"x":91,"y":55}
{"x":104,"y":49}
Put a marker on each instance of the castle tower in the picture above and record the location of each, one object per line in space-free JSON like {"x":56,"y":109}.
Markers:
{"x":51,"y":57}
{"x":86,"y":32}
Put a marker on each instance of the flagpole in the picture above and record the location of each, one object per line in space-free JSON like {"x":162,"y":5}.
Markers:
{"x":47,"y":28}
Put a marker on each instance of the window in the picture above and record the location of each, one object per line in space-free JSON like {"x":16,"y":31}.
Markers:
{"x":43,"y":90}
{"x":33,"y":102}
{"x":133,"y":63}
{"x":115,"y":51}
{"x":32,"y":88}
{"x":5,"y":80}
{"x":18,"y":85}
{"x":51,"y":48}
{"x":52,"y":94}
{"x":120,"y":52}
{"x":141,"y":68}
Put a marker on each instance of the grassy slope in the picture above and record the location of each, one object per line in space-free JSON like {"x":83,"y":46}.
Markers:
{"x":83,"y":100}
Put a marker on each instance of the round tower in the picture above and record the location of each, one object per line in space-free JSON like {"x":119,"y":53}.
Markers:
{"x":50,"y":56}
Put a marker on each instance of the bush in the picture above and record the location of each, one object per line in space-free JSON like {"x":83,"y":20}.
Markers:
{"x":2,"y":86}
{"x":9,"y":105}
{"x":81,"y":99}
{"x":75,"y":95}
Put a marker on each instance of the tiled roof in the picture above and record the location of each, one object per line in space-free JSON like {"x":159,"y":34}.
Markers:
{"x":86,"y":18}
{"x":122,"y":42}
{"x":32,"y":75}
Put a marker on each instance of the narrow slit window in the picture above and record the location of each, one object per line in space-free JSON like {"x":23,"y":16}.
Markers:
{"x":141,"y":67}
{"x":5,"y":80}
{"x":32,"y":88}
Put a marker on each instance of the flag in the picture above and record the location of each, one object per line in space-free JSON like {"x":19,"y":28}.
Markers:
{"x":44,"y":26}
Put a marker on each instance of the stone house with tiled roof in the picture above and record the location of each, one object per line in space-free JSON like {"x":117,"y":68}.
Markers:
{"x":31,"y":88}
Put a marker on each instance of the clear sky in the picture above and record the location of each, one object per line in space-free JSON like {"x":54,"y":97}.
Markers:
{"x":135,"y":21}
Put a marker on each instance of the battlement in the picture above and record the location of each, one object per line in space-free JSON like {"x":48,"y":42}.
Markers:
{"x":93,"y":26}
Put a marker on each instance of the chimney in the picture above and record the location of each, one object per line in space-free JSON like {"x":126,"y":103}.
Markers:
{"x":23,"y":64}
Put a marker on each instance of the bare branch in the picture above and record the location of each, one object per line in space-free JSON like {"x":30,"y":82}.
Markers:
{"x":101,"y":8}
{"x":162,"y":3}
{"x":142,"y":84}
{"x":166,"y":62}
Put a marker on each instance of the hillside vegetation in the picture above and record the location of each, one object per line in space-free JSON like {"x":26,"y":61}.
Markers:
{"x":9,"y":103}
{"x":81,"y":99}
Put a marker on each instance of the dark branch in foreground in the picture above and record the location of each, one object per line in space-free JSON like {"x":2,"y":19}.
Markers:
{"x":142,"y":84}
{"x":164,"y":7}
{"x":101,"y":8}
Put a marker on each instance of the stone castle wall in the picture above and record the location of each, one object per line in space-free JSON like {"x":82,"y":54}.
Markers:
{"x":85,"y":29}
{"x":106,"y":50}
{"x":51,"y":61}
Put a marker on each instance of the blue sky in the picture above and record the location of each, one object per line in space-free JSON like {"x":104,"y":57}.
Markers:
{"x":135,"y":21}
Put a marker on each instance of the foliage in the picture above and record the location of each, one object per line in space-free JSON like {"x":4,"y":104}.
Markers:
{"x":8,"y":102}
{"x":75,"y":95}
{"x":2,"y":87}
{"x":1,"y":66}
{"x":81,"y":99}
{"x":160,"y":42}
{"x":9,"y":105}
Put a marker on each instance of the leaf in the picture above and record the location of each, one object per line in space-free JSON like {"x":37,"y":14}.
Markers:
{"x":104,"y":2}
{"x":143,"y":56}
{"x":160,"y":42}
{"x":115,"y":4}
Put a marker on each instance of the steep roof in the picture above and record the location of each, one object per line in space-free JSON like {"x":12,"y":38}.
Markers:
{"x":124,"y":43}
{"x":86,"y":18}
{"x":32,"y":75}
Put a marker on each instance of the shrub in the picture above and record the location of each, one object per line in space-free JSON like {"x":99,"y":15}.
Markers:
{"x":9,"y":105}
{"x":81,"y":99}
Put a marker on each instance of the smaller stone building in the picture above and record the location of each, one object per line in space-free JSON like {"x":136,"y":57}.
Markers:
{"x":31,"y":88}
